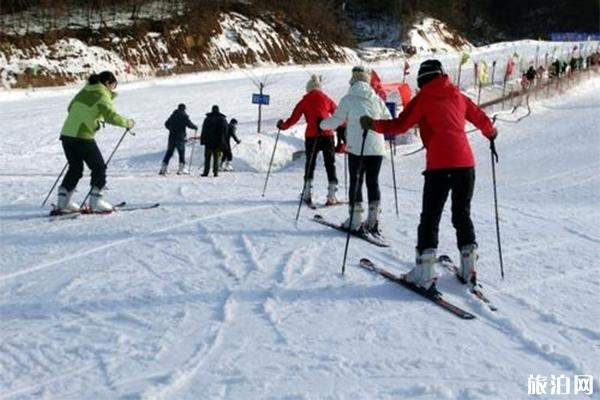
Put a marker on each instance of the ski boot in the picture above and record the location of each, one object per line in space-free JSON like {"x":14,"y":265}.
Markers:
{"x":64,"y":204}
{"x":98,"y":204}
{"x":163,"y":170}
{"x":423,"y":274}
{"x":356,"y":216}
{"x":331,"y":198}
{"x":372,"y":225}
{"x":182,"y":170}
{"x":307,"y":194}
{"x":468,"y":259}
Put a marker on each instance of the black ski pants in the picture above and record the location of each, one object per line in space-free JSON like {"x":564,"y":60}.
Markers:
{"x":215,"y":154}
{"x":227,"y":155}
{"x":175,"y":144}
{"x":438,"y":184}
{"x":313,"y":146}
{"x":77,"y":152}
{"x":371,"y":165}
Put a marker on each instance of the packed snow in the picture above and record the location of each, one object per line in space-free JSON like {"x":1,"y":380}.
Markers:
{"x":219,"y":294}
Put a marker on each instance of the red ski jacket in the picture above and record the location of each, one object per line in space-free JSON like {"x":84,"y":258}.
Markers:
{"x":315,"y":106}
{"x":441,"y":109}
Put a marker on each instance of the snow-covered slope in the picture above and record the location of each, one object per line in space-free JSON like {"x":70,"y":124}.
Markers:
{"x":219,"y":294}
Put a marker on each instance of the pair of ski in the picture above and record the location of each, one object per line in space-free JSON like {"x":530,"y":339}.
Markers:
{"x":433,"y":294}
{"x":362,"y":233}
{"x":54,"y":215}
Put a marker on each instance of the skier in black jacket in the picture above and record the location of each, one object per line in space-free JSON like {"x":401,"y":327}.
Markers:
{"x":213,"y":137}
{"x":176,"y":124}
{"x":227,"y":154}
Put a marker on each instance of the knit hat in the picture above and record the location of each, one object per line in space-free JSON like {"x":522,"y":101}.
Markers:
{"x":233,"y":121}
{"x":429,"y":70}
{"x":314,"y":82}
{"x":215,"y":109}
{"x":181,"y":107}
{"x":359,"y":73}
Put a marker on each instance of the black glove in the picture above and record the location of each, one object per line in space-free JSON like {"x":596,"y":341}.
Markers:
{"x":341,"y":134}
{"x":366,"y":122}
{"x":279,"y":124}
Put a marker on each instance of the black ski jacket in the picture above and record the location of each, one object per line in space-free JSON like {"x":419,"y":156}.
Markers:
{"x":214,"y":131}
{"x":176,"y":124}
{"x":231,"y":128}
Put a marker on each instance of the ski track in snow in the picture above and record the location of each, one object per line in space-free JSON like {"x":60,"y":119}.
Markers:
{"x":219,"y":294}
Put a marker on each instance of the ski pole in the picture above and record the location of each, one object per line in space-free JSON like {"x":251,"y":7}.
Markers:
{"x":192,"y":156}
{"x":127,"y":130}
{"x":355,"y":195}
{"x":346,"y":173}
{"x":55,"y":182}
{"x":394,"y":175}
{"x":494,"y":156}
{"x":309,"y":166}
{"x":270,"y":162}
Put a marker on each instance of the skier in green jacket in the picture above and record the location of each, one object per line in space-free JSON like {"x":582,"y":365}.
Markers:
{"x":92,"y":106}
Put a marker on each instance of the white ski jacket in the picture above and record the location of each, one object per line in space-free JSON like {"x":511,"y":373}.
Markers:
{"x":360,"y":100}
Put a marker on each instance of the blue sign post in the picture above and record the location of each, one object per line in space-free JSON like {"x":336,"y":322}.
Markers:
{"x":260,"y":99}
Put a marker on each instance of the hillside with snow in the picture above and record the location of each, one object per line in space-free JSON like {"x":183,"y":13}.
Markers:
{"x":238,"y":41}
{"x":220,"y":294}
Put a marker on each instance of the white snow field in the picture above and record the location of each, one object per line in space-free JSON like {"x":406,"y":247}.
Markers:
{"x":218,"y":294}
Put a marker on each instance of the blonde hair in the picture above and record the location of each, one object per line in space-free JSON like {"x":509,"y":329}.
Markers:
{"x":314,"y":82}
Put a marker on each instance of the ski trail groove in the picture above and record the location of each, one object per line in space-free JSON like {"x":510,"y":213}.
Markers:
{"x":182,"y":375}
{"x":126,"y":240}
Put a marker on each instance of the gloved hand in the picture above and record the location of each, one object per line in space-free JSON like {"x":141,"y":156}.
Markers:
{"x":279,"y":124}
{"x":340,"y":133}
{"x":493,"y":135}
{"x":366,"y":122}
{"x":130,"y":123}
{"x":340,"y":148}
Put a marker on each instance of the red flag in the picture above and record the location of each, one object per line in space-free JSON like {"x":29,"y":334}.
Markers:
{"x":377,"y":86}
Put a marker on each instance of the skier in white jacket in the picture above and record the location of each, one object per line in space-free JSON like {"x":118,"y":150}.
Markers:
{"x":361,"y":100}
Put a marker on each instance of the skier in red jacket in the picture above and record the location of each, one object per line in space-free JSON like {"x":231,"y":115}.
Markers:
{"x":315,"y":106}
{"x":440,"y":110}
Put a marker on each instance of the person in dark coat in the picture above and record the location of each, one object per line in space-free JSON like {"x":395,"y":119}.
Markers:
{"x":176,"y":124}
{"x":213,"y":137}
{"x":227,"y":154}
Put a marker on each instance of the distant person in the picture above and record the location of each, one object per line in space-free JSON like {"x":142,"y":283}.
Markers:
{"x":360,"y":100}
{"x":227,"y":154}
{"x":315,"y":106}
{"x":213,"y":137}
{"x":176,"y":124}
{"x":441,"y":110}
{"x":90,"y":107}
